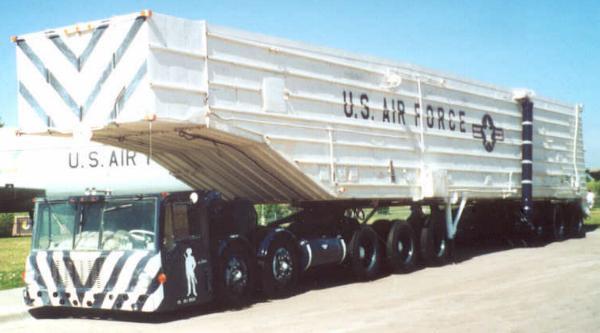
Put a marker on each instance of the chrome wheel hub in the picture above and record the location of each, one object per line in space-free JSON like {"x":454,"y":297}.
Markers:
{"x":236,"y":277}
{"x":400,"y":247}
{"x":282,"y":265}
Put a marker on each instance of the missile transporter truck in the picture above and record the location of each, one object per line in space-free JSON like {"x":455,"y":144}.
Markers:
{"x":249,"y":119}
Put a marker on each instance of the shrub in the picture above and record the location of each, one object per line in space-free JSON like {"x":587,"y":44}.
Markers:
{"x":6,"y":224}
{"x":384,"y":210}
{"x":268,"y":213}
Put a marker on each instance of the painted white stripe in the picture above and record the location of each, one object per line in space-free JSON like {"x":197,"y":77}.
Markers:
{"x":107,"y":302}
{"x":44,"y":271}
{"x":107,"y":270}
{"x":526,"y":182}
{"x":154,"y":300}
{"x":526,"y":162}
{"x":65,"y":277}
{"x":525,"y":123}
{"x":79,"y":85}
{"x":124,"y":278}
{"x":151,"y":268}
{"x":32,"y":286}
{"x":61,"y":268}
{"x":127,"y":271}
{"x":33,"y":289}
{"x":44,"y":94}
{"x":132,"y":299}
{"x":88,"y":296}
{"x":120,"y":77}
{"x":526,"y":142}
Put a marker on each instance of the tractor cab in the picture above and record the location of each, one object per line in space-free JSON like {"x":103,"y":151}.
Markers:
{"x":133,"y":252}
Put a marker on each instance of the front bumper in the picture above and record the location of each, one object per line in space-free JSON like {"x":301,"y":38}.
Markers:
{"x":89,"y":299}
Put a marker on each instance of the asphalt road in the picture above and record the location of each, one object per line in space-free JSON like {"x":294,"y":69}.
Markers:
{"x":494,"y":288}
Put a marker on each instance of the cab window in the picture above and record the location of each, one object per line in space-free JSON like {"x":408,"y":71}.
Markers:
{"x":178,"y":223}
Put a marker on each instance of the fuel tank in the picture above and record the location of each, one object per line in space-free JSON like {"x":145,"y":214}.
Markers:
{"x":322,"y":251}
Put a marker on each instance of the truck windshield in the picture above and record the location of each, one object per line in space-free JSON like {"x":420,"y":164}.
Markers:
{"x":54,"y":225}
{"x":115,"y":224}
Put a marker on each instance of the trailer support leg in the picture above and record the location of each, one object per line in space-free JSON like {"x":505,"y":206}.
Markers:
{"x":452,"y":222}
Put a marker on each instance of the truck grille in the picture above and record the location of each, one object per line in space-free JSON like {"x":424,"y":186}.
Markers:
{"x":66,"y":270}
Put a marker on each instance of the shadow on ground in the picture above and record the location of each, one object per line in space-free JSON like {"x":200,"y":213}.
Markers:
{"x":317,"y":279}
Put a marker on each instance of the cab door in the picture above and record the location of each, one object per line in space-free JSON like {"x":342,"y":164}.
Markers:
{"x":186,"y":253}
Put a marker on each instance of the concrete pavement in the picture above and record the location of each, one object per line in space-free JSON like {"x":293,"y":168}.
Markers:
{"x":542,"y":289}
{"x":12,"y":306}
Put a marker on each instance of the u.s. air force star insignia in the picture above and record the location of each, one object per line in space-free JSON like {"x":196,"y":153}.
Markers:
{"x":488,"y":132}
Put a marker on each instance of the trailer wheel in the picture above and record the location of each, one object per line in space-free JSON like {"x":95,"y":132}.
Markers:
{"x":281,"y":268}
{"x":433,"y":241}
{"x":416,"y":220}
{"x":382,"y":228}
{"x":364,"y":253}
{"x":400,"y":247}
{"x":234,"y":275}
{"x":559,"y":228}
{"x":575,"y":225}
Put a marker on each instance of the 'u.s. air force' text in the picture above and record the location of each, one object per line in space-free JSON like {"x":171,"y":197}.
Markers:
{"x":395,"y":112}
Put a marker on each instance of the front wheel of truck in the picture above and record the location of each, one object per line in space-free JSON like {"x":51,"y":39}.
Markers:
{"x":234,"y":276}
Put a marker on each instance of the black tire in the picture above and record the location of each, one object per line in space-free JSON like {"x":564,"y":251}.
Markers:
{"x":382,"y":227}
{"x":434,"y":242}
{"x":281,"y":268}
{"x":364,"y":253}
{"x":575,"y":225}
{"x":235,"y":275}
{"x":558,"y":230}
{"x":416,"y":221}
{"x":538,"y":236}
{"x":400,"y":247}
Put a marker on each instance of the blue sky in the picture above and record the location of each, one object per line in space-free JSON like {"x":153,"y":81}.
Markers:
{"x":553,"y":49}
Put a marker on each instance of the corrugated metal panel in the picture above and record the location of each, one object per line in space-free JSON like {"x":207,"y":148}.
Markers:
{"x":207,"y":159}
{"x":272,"y":120}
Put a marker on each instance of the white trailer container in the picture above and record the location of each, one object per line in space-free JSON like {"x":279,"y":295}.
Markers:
{"x":268,"y":120}
{"x":277,"y":121}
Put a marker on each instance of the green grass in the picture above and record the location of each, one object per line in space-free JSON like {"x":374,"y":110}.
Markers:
{"x":13,"y":252}
{"x":393,"y":214}
{"x":594,"y":218}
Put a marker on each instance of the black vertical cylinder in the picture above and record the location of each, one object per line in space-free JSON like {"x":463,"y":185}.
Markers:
{"x":527,"y":159}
